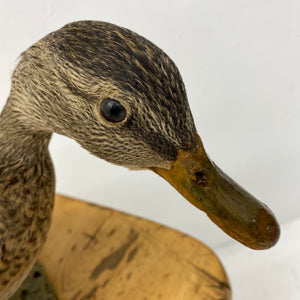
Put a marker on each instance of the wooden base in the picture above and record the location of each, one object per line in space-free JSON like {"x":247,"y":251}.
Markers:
{"x":93,"y":252}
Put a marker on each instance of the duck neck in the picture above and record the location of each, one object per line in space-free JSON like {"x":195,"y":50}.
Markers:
{"x":20,"y":143}
{"x":26,"y":197}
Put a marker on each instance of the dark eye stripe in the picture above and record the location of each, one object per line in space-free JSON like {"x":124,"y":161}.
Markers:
{"x":112,"y":110}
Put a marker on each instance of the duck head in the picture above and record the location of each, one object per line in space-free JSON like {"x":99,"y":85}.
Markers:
{"x":123,"y":99}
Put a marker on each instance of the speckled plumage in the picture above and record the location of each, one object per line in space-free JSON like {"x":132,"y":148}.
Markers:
{"x":57,"y":87}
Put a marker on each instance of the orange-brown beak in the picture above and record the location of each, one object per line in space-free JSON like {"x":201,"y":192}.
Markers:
{"x":226,"y":203}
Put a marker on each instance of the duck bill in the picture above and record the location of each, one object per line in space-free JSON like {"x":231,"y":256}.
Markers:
{"x":227,"y":204}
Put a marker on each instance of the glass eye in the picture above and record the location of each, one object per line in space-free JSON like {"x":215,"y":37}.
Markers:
{"x":112,"y":110}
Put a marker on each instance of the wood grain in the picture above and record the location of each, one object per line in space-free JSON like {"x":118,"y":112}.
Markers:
{"x":93,"y":252}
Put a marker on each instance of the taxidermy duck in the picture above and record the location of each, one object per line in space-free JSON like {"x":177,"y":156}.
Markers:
{"x":123,"y":99}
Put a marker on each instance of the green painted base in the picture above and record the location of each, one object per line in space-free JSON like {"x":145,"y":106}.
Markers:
{"x":36,"y":286}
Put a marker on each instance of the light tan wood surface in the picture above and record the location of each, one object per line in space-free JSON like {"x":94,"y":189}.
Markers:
{"x":93,"y":252}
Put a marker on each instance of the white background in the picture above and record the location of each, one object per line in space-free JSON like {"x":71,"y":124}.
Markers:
{"x":240,"y":61}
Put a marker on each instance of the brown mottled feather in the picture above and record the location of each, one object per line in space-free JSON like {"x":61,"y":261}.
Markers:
{"x":57,"y":87}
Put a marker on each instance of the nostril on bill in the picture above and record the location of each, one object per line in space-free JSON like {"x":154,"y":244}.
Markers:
{"x":201,"y":177}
